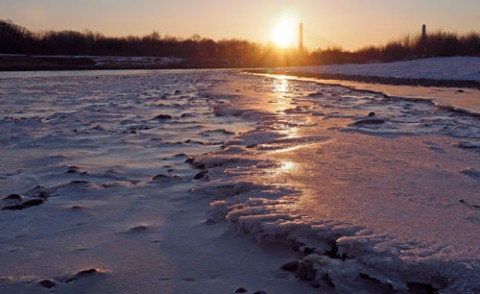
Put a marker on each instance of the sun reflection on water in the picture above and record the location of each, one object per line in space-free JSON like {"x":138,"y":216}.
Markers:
{"x":287,"y":166}
{"x":290,"y":132}
{"x":280,"y":84}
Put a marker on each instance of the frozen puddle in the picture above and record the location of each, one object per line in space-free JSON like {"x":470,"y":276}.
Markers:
{"x":124,"y":182}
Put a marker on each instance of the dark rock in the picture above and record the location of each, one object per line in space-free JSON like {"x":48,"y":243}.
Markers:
{"x":290,"y":266}
{"x":180,"y":155}
{"x":163,"y":117}
{"x":48,"y":284}
{"x":315,"y":94}
{"x":420,"y":288}
{"x":306,"y":271}
{"x":241,"y":290}
{"x":14,"y":207}
{"x":72,"y":169}
{"x":369,"y":122}
{"x":138,"y":229}
{"x":33,"y":202}
{"x":189,"y":160}
{"x":83,"y":273}
{"x":77,"y":182}
{"x":159,"y":177}
{"x":201,"y":166}
{"x":87,"y":272}
{"x":371,"y":114}
{"x":308,"y":250}
{"x":328,"y":281}
{"x":260,"y":292}
{"x":333,"y":252}
{"x":364,"y":276}
{"x":200,"y":175}
{"x":13,"y":197}
{"x":197,"y":142}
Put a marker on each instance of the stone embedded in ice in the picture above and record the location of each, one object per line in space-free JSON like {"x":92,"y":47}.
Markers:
{"x":47,"y":284}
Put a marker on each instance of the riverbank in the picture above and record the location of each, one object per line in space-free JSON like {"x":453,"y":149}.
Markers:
{"x":65,"y":63}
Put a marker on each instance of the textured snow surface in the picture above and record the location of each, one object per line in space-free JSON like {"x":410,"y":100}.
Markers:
{"x":94,"y":169}
{"x":364,"y":193}
{"x":447,"y":68}
{"x":382,"y":193}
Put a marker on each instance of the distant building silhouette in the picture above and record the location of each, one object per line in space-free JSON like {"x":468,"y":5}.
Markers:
{"x":424,"y":32}
{"x":300,"y":37}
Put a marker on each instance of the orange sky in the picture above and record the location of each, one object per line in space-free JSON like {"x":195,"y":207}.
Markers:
{"x":348,"y":23}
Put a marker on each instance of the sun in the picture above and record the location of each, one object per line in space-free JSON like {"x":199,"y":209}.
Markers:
{"x":283,"y":34}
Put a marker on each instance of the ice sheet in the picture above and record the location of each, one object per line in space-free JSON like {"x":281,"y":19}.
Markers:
{"x":362,"y":192}
{"x":381,"y":192}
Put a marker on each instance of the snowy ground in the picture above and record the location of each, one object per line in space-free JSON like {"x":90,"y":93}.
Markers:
{"x":450,"y":68}
{"x":360,"y":192}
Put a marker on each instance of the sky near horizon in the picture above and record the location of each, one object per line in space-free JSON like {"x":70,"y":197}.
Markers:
{"x":348,"y":23}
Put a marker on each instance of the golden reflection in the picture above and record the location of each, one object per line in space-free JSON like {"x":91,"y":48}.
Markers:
{"x":280,"y":84}
{"x":287,"y":149}
{"x":287,"y":166}
{"x":280,"y":90}
{"x":290,"y":132}
{"x":281,"y":174}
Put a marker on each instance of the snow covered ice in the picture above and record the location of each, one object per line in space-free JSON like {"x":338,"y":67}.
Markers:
{"x":212,"y":181}
{"x":449,"y":68}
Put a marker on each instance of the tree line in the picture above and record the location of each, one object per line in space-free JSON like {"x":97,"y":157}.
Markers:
{"x":15,"y":39}
{"x":434,"y":44}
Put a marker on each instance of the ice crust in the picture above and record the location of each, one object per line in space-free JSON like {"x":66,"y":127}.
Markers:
{"x":365,"y":207}
{"x":272,"y":179}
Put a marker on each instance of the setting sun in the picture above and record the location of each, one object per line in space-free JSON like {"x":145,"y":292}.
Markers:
{"x":283,"y":34}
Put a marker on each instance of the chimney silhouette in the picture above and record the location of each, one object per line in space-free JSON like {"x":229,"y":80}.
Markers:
{"x":300,"y":37}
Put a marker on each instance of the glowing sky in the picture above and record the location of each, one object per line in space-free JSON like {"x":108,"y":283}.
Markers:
{"x":348,"y":23}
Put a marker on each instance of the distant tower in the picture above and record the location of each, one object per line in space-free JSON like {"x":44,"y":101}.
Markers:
{"x":424,"y":32}
{"x":300,"y":37}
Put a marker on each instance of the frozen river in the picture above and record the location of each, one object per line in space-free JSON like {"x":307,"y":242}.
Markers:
{"x":210,"y":181}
